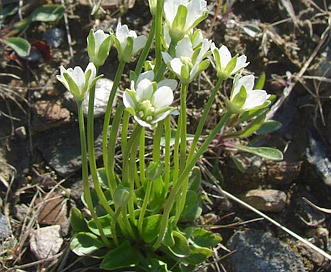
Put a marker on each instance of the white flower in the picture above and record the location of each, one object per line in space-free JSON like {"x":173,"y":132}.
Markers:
{"x":128,"y":44}
{"x":227,"y":65}
{"x":189,"y":61}
{"x":77,"y":81}
{"x":244,"y":98}
{"x":148,"y":103}
{"x":98,"y":46}
{"x":183,"y":15}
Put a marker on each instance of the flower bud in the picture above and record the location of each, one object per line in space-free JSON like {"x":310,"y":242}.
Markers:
{"x":154,"y":170}
{"x":98,"y":47}
{"x":121,"y":196}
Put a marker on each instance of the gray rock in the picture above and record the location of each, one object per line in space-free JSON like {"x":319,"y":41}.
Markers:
{"x":258,"y":251}
{"x":61,"y":148}
{"x":266,"y":200}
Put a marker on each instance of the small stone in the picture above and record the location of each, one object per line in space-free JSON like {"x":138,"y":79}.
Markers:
{"x":46,"y":242}
{"x":257,"y":250}
{"x":266,"y":200}
{"x":49,"y":114}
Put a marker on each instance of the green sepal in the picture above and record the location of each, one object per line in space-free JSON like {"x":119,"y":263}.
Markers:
{"x":176,"y":31}
{"x":103,"y":52}
{"x":127,"y":51}
{"x":236,"y":103}
{"x":253,"y":126}
{"x":231,"y":65}
{"x":260,"y":83}
{"x":73,"y":88}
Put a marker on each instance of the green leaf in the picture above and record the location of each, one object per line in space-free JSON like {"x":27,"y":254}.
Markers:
{"x":123,"y":256}
{"x":151,"y":227}
{"x":198,"y":255}
{"x":102,"y":177}
{"x":181,"y":247}
{"x":204,"y":238}
{"x":238,"y":164}
{"x":47,"y":13}
{"x":269,"y":126}
{"x":264,"y":152}
{"x":253,"y":126}
{"x":251,"y":30}
{"x":84,"y":243}
{"x":191,"y":200}
{"x":195,"y":179}
{"x":77,"y":220}
{"x":21,"y":46}
{"x":105,"y":222}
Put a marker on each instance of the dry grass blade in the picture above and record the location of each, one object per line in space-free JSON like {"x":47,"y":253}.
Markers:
{"x":316,"y":207}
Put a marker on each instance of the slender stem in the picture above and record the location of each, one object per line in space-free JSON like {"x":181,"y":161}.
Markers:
{"x":144,"y":53}
{"x":157,"y":142}
{"x":124,"y":134}
{"x":176,"y":188}
{"x":182,"y":124}
{"x":108,"y":111}
{"x":113,"y":225}
{"x":87,"y":193}
{"x":158,"y":31}
{"x":203,"y":119}
{"x":141,"y":157}
{"x":144,"y":206}
{"x":167,"y":154}
{"x":110,"y":168}
{"x":91,"y":153}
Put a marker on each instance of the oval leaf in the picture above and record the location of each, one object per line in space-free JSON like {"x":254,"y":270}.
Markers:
{"x":105,"y":222}
{"x":125,"y":255}
{"x":269,"y":126}
{"x":20,"y":46}
{"x":47,"y":13}
{"x":181,"y":247}
{"x":151,"y":227}
{"x":84,"y":243}
{"x":264,"y":152}
{"x":77,"y":220}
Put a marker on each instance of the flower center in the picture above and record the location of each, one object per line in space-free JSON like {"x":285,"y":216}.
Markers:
{"x":146,"y":111}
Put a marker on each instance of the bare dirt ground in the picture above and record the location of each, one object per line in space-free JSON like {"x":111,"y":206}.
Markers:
{"x":288,"y":40}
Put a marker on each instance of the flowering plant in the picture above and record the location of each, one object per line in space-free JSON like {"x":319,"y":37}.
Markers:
{"x":137,"y":207}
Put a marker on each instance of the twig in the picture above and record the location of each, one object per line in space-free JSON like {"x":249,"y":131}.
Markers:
{"x":66,"y":22}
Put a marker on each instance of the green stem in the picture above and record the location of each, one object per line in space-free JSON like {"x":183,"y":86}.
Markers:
{"x":87,"y":193}
{"x":144,"y":206}
{"x":91,"y":153}
{"x":176,"y":188}
{"x":167,"y":154}
{"x":182,"y":124}
{"x":144,"y":53}
{"x":110,"y":168}
{"x":113,"y":226}
{"x":125,"y":127}
{"x":157,"y":142}
{"x":158,"y":31}
{"x":141,"y":157}
{"x":203,"y":119}
{"x":108,"y":111}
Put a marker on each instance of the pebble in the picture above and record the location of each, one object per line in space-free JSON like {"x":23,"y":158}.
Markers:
{"x":269,"y":200}
{"x":46,"y":242}
{"x":259,"y":251}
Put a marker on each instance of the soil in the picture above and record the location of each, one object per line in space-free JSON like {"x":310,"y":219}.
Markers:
{"x":288,"y":40}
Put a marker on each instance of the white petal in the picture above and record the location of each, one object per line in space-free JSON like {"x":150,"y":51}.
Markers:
{"x":225,"y":56}
{"x":241,"y":63}
{"x":138,"y":43}
{"x":148,"y":74}
{"x":122,"y":32}
{"x":91,"y":67}
{"x":163,"y":97}
{"x":100,"y":36}
{"x":141,"y":122}
{"x":144,"y":90}
{"x":161,"y":116}
{"x":170,"y":10}
{"x":171,"y":83}
{"x":166,"y":57}
{"x":176,"y":65}
{"x":247,"y":81}
{"x":184,"y":48}
{"x":79,"y":77}
{"x":195,"y":10}
{"x":254,"y":99}
{"x":128,"y":101}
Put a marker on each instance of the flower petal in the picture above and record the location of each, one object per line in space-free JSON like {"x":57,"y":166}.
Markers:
{"x":176,"y":65}
{"x":255,"y":98}
{"x":184,"y":48}
{"x":138,"y":43}
{"x":128,"y":101}
{"x":163,"y":97}
{"x":171,"y":83}
{"x":225,"y":56}
{"x":144,"y":90}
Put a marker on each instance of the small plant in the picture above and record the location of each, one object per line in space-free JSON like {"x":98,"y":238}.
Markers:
{"x":142,"y":212}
